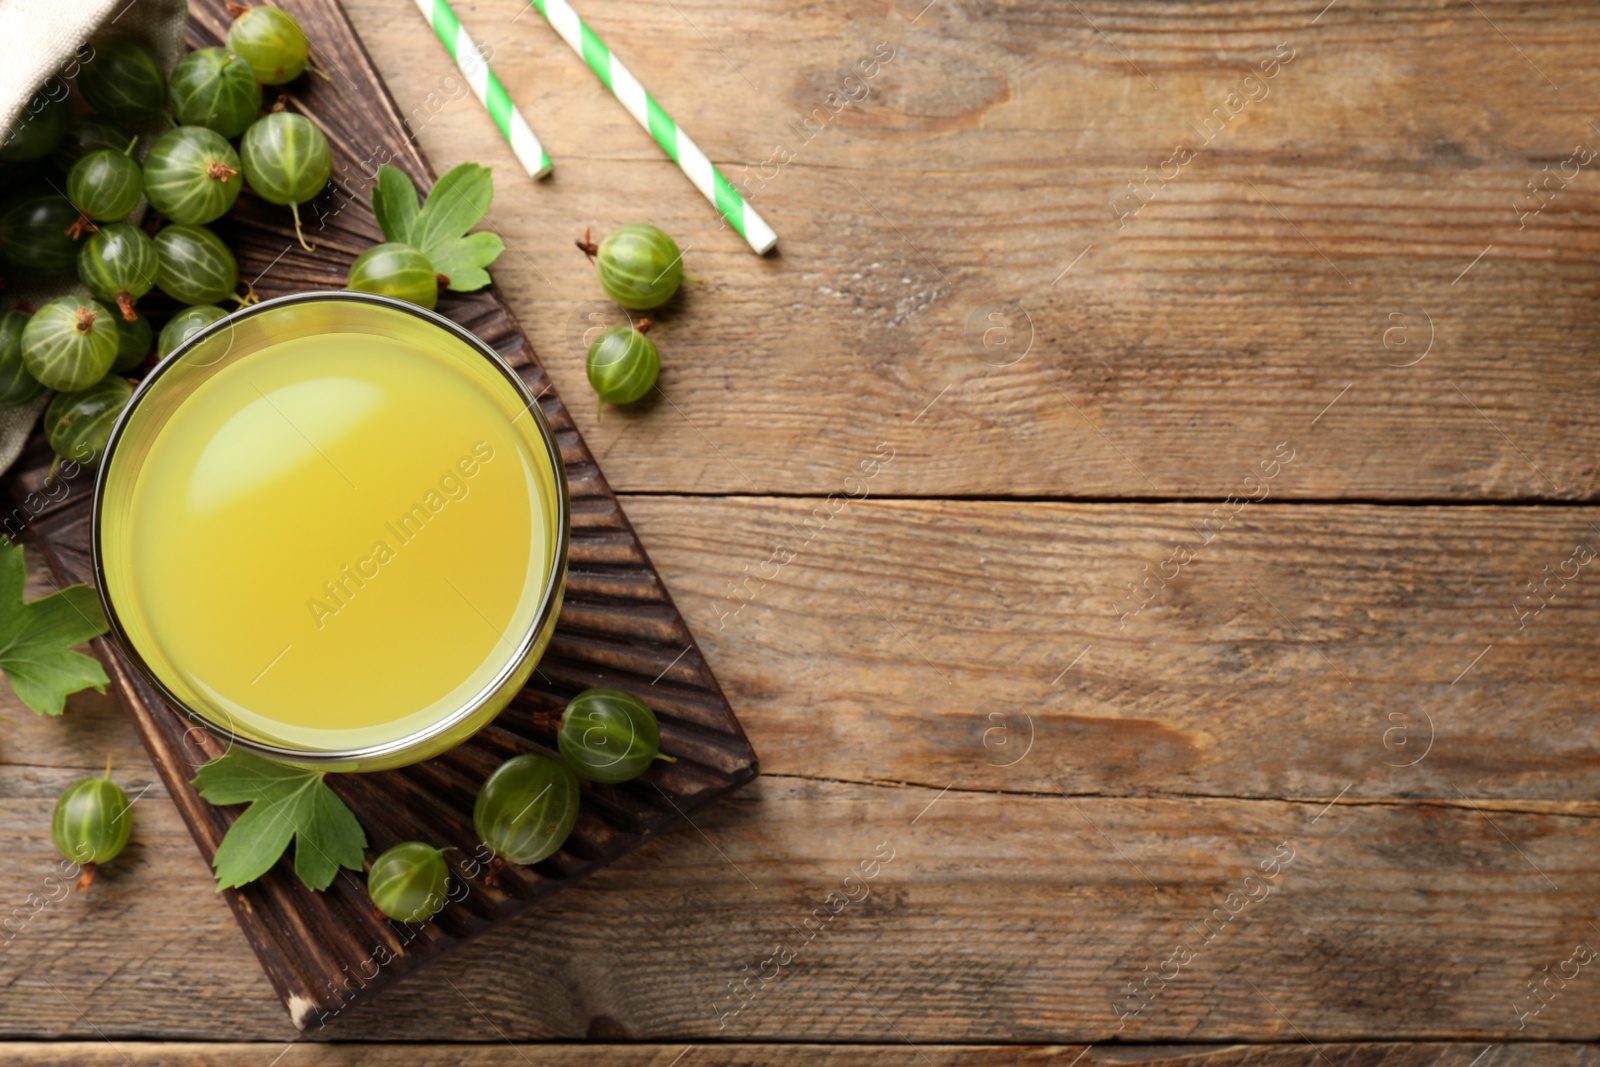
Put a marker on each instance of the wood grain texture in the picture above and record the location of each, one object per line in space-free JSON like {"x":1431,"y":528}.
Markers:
{"x":1250,"y":704}
{"x":1257,"y":284}
{"x":1305,"y":650}
{"x":999,"y":918}
{"x":326,"y":951}
{"x":1423,"y":914}
{"x":1417,"y":1054}
{"x":104,"y":1054}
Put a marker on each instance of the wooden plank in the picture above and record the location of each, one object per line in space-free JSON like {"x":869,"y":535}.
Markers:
{"x":999,"y":918}
{"x":1306,"y":650}
{"x":1416,"y":1054}
{"x":1307,"y":248}
{"x":618,"y":628}
{"x":1399,"y":598}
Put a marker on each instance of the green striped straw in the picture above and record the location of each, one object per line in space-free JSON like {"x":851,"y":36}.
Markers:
{"x":642,"y":106}
{"x":486,"y":87}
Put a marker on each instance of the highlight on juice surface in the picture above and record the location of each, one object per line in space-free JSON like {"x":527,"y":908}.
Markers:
{"x":332,"y":528}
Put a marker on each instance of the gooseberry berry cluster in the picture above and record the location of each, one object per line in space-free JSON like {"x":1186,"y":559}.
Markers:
{"x":191,"y":174}
{"x":529,"y":805}
{"x":640,"y":268}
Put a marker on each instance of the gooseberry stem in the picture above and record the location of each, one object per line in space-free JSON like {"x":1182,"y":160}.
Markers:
{"x":588,"y":247}
{"x":644,"y":325}
{"x":235,"y":9}
{"x":85,"y":321}
{"x":85,"y":878}
{"x":83,"y":223}
{"x":298,"y":232}
{"x":125,"y":304}
{"x":666,"y":758}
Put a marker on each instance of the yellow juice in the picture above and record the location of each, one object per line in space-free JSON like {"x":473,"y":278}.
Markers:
{"x":334,"y":541}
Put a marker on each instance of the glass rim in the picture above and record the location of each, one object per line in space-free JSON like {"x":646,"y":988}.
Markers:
{"x":554,"y":578}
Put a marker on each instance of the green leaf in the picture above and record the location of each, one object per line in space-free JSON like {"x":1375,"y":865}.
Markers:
{"x":455,"y":204}
{"x":254,"y":842}
{"x":240,"y":777}
{"x":340,"y":839}
{"x":286,"y":803}
{"x":462,"y":260}
{"x":394,"y":201}
{"x":36,"y":639}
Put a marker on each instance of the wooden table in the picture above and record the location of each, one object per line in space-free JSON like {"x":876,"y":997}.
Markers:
{"x":1117,"y":500}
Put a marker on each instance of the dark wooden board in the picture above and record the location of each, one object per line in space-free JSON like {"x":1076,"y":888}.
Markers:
{"x":326,"y":951}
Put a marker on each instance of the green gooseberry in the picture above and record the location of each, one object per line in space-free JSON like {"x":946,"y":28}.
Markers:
{"x":194,"y":266}
{"x":40,"y":127}
{"x":35,"y":232}
{"x":133,"y":343}
{"x":216,"y":89}
{"x":191,"y":175}
{"x":608,"y":735}
{"x":79,"y":424}
{"x":85,"y":134}
{"x":286,"y":161}
{"x":640,"y":266}
{"x":105,"y":185}
{"x":70,"y":343}
{"x":398,"y":270}
{"x":123,"y":81}
{"x":119,"y":264}
{"x":526,"y":808}
{"x":17,"y":386}
{"x":91,"y":823}
{"x":409,"y":883}
{"x":184,"y":325}
{"x":623,"y":364}
{"x":271,"y":41}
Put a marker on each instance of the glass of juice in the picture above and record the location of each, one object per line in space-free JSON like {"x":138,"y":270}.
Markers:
{"x":332,"y":529}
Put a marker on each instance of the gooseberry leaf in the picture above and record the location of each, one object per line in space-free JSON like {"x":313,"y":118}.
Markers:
{"x":36,"y":638}
{"x":438,"y":229}
{"x":286,"y":803}
{"x":463,"y":260}
{"x":394,"y":201}
{"x":454,"y":205}
{"x":457,"y":202}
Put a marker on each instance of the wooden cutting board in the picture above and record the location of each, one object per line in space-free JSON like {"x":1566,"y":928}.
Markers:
{"x":326,"y":951}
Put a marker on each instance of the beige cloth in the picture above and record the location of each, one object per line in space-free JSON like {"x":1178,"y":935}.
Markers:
{"x":40,"y":38}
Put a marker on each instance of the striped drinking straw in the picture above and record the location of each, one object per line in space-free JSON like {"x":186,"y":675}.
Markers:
{"x":486,"y":87}
{"x":643,"y":107}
